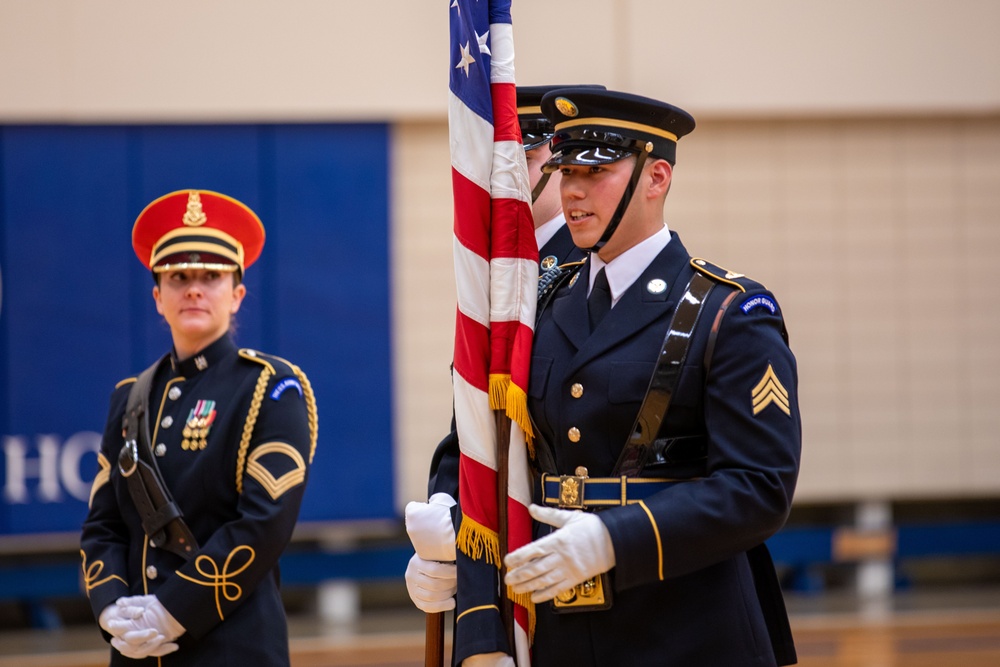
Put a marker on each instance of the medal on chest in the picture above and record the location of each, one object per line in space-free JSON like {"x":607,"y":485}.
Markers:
{"x":198,"y":423}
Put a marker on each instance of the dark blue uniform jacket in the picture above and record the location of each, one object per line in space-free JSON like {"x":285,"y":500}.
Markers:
{"x":239,"y":484}
{"x":683,"y":590}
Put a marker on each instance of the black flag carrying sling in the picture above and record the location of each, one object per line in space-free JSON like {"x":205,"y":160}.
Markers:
{"x":162,"y":519}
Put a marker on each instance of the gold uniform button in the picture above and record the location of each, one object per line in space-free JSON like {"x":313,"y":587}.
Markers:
{"x":151,"y":572}
{"x":573,"y":434}
{"x":576,"y":391}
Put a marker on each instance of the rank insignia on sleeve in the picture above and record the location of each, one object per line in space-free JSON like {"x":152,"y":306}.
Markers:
{"x":769,"y":390}
{"x":196,"y":427}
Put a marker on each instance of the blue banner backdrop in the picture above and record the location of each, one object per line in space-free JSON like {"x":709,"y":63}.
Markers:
{"x":76,"y":312}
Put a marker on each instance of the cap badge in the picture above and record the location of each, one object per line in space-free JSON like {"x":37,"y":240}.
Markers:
{"x":566,"y":107}
{"x":194,"y":216}
{"x":656,"y":286}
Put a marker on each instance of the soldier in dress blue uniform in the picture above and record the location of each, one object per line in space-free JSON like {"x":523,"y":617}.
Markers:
{"x":430,"y":582}
{"x":187,"y":574}
{"x":555,"y":244}
{"x":664,"y":399}
{"x":690,"y":581}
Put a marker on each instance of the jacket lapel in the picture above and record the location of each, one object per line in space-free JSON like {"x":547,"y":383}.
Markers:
{"x":642,"y":304}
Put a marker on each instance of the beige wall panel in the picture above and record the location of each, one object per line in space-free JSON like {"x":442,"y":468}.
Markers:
{"x":423,"y":300}
{"x":880,"y":240}
{"x":186,"y":60}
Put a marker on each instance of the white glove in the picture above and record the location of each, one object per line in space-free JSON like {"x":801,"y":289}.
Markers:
{"x":140,"y":644}
{"x":579,"y":550}
{"x":122,"y":610}
{"x":149,"y":634}
{"x":431,"y":585}
{"x":489,"y":660}
{"x":430,"y":527}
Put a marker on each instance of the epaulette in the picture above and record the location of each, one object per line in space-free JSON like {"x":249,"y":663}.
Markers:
{"x":126,"y":381}
{"x":716,"y":272}
{"x":274,"y":366}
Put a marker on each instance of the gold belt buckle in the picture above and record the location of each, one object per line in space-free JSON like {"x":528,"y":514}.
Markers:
{"x":592,"y":595}
{"x":571,"y":489}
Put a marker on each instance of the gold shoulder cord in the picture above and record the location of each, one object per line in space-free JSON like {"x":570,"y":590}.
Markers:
{"x":258,"y":396}
{"x":251,"y":421}
{"x":307,"y":393}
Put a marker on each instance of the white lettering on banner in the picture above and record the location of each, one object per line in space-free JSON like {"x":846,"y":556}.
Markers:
{"x":56,"y":467}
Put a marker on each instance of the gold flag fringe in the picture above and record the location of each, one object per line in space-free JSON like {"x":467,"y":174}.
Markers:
{"x":498,"y":390}
{"x":517,"y":410}
{"x":524,"y":599}
{"x":476,"y":540}
{"x":507,"y":396}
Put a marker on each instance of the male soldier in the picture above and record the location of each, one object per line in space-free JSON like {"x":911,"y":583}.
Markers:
{"x":432,"y":583}
{"x":663,"y":394}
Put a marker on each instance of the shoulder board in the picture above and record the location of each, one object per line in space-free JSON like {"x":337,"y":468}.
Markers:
{"x":126,"y":381}
{"x":274,"y":364}
{"x":717,"y":273}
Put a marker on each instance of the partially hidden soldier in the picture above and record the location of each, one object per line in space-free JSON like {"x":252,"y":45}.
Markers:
{"x":203,"y":461}
{"x":430,"y":577}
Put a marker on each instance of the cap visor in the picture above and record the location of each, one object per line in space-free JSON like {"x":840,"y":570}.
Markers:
{"x":586,"y":156}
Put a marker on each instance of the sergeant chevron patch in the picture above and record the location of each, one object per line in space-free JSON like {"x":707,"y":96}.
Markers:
{"x":769,"y":390}
{"x":276,"y":487}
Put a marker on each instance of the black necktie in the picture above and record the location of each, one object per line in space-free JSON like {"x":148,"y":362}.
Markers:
{"x":599,"y":302}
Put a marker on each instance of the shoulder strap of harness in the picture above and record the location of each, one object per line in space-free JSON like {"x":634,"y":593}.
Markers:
{"x":162,"y":520}
{"x":663,"y":382}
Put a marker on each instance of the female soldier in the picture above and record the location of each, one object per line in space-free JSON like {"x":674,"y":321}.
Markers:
{"x":203,"y":463}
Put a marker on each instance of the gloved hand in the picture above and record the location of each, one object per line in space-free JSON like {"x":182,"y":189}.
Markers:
{"x":431,"y":585}
{"x":149,"y":634}
{"x":139,"y":644}
{"x":124,"y":609}
{"x":581,"y":548}
{"x":430,"y":527}
{"x":497,"y":659}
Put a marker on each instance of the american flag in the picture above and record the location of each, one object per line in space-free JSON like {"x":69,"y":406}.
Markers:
{"x":496,"y":274}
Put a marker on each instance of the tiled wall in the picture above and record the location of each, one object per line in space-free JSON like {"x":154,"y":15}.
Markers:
{"x":881,"y":240}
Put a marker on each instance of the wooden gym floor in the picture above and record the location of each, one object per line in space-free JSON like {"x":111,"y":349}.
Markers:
{"x":960,"y":631}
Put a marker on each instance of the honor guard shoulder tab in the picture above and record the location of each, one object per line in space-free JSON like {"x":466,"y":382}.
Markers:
{"x":716,"y":272}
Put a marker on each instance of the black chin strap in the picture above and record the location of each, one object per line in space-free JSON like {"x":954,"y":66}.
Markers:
{"x":539,"y":186}
{"x":625,"y":200}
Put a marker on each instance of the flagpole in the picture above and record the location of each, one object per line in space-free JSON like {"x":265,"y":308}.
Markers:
{"x":434,"y":640}
{"x":503,"y":468}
